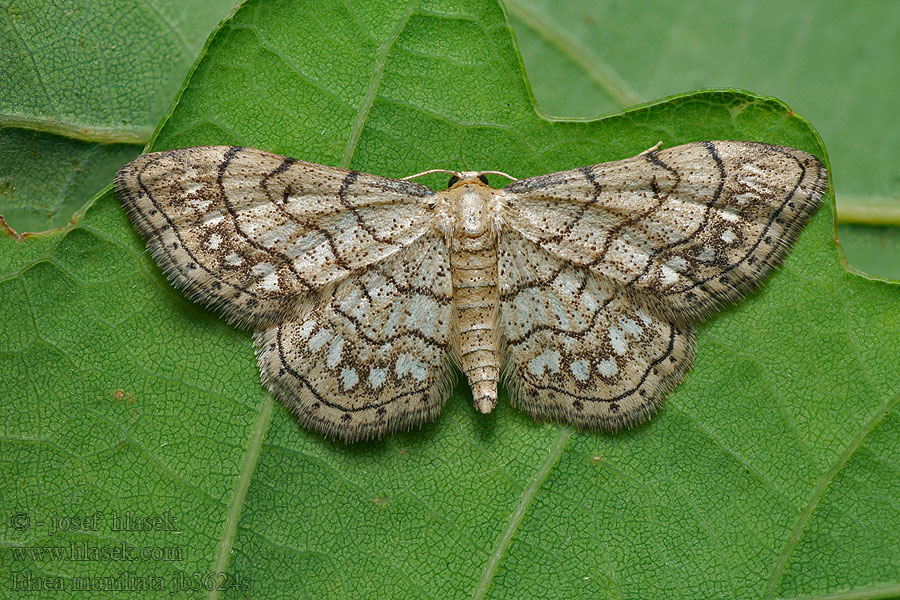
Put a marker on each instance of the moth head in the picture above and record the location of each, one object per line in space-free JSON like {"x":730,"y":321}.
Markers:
{"x":458,"y":178}
{"x":467,"y":177}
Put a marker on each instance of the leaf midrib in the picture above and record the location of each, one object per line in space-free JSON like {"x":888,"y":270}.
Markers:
{"x":819,"y":491}
{"x":83,"y":132}
{"x":374,"y":83}
{"x":233,"y":515}
{"x":515,"y":519}
{"x":596,"y":70}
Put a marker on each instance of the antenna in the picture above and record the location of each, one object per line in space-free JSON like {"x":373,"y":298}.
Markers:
{"x":460,"y":174}
{"x":429,"y":172}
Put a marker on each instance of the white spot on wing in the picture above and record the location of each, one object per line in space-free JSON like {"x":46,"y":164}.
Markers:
{"x":728,"y":215}
{"x":262,"y":269}
{"x":618,"y":341}
{"x":608,"y":367}
{"x":213,"y":219}
{"x":199,"y":205}
{"x":191,"y":186}
{"x":421,"y":315}
{"x":548,"y":359}
{"x":669,"y":276}
{"x":319,"y":339}
{"x":677,"y":263}
{"x":377,"y":378}
{"x":307,"y":328}
{"x":580,"y":369}
{"x":214,"y":241}
{"x":629,"y":326}
{"x":707,"y":254}
{"x":333,"y":358}
{"x":233,"y":260}
{"x":407,"y":365}
{"x":349,"y":378}
{"x":270,"y":282}
{"x":757,"y":184}
{"x":754,"y":170}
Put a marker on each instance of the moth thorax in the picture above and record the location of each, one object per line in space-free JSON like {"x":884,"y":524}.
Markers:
{"x":473,"y":216}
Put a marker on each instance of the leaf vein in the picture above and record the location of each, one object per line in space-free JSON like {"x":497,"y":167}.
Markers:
{"x":515,"y":519}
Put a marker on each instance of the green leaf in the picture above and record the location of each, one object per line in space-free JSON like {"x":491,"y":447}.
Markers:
{"x":82,"y":87}
{"x":872,"y":245}
{"x":98,"y":71}
{"x":770,"y":473}
{"x":45,"y":178}
{"x":831,"y":61}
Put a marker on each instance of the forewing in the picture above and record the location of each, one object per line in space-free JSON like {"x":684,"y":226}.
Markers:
{"x":252,"y":234}
{"x":576,"y":349}
{"x":681,"y":230}
{"x":374,"y":357}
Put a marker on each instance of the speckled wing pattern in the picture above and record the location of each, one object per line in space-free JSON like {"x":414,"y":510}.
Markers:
{"x":605,"y":269}
{"x":338,"y":271}
{"x":256,"y":235}
{"x":577,"y":349}
{"x":375,"y":355}
{"x":365,"y":292}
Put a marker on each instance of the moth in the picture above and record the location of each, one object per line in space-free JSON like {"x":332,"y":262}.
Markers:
{"x":579,"y":290}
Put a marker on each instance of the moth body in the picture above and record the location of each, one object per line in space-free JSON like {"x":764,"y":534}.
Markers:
{"x":473,"y":271}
